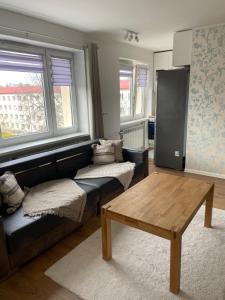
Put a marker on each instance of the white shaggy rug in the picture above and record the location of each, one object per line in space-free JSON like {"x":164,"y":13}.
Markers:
{"x":139,"y":269}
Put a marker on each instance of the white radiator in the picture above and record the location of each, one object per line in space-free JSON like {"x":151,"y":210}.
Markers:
{"x":134,"y":137}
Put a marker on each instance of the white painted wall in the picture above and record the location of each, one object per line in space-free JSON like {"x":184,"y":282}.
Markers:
{"x":31,"y":29}
{"x":109,"y":54}
{"x":38,"y":30}
{"x":19,"y":27}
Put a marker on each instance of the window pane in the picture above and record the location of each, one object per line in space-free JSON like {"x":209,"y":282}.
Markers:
{"x":141,"y":85}
{"x":62,"y":97}
{"x":22,"y":104}
{"x":125,"y":95}
{"x":62,"y":80}
{"x":140,"y":94}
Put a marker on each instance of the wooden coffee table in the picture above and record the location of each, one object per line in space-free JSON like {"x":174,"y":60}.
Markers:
{"x":163,"y":205}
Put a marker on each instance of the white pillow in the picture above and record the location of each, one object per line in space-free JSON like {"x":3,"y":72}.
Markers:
{"x":103,"y":154}
{"x":118,"y":144}
{"x":11,"y":192}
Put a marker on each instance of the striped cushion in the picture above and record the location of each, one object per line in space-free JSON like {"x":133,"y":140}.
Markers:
{"x":12,"y":194}
{"x":103,"y":154}
{"x":118,"y":144}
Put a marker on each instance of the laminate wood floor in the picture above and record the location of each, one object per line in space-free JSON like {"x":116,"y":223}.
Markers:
{"x":31,"y":283}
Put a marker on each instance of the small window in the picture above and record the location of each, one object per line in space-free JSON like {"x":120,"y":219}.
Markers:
{"x":133,"y":90}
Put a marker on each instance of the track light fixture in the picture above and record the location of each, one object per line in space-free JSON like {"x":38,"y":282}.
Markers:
{"x":131,"y":35}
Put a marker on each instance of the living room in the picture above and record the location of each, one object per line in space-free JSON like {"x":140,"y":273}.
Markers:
{"x":112,"y":140}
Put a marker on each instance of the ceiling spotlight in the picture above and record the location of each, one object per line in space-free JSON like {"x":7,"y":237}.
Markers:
{"x":130,"y":35}
{"x":126,"y":35}
{"x":137,"y":38}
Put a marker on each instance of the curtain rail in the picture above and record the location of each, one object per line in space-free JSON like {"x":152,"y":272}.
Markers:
{"x":29,"y":34}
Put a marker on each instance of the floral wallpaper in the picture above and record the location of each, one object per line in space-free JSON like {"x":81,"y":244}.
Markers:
{"x":206,"y":109}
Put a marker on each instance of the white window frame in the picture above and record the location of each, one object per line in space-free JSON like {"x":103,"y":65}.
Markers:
{"x":133,"y":115}
{"x":53,"y":131}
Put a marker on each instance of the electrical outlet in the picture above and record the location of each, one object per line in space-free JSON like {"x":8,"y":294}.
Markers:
{"x":177,"y":153}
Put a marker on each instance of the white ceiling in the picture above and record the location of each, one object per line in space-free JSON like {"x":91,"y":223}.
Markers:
{"x":156,"y":20}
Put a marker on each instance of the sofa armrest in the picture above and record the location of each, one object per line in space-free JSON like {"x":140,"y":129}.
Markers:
{"x":138,"y":157}
{"x":4,"y":259}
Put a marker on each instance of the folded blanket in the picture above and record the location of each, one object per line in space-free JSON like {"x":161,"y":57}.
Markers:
{"x":62,"y":197}
{"x":122,"y":171}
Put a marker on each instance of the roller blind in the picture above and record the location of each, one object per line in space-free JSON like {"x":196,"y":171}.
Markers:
{"x":20,"y":62}
{"x":141,"y":76}
{"x":126,"y":70}
{"x":61,"y":71}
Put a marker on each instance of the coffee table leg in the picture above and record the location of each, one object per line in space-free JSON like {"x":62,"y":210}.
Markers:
{"x":106,"y":236}
{"x":175,"y":263}
{"x":208,"y":208}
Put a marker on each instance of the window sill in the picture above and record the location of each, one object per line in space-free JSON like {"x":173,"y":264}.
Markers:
{"x":39,"y":145}
{"x":132,"y":122}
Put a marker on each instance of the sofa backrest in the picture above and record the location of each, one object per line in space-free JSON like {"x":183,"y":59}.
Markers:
{"x":58,"y":163}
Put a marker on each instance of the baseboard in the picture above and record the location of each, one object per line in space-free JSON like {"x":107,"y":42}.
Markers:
{"x":210,"y":174}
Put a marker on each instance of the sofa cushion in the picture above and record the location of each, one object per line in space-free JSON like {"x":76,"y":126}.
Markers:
{"x":12,"y":194}
{"x":103,"y":154}
{"x":109,"y":187}
{"x":68,"y":166}
{"x":93,"y":198}
{"x":36,"y":175}
{"x":118,"y":144}
{"x":139,"y":171}
{"x":20,"y":230}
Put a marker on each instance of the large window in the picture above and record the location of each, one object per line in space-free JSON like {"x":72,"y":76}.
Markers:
{"x":37,"y":96}
{"x":133,"y":90}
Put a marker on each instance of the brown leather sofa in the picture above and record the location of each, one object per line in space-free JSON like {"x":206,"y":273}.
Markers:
{"x":22,"y":238}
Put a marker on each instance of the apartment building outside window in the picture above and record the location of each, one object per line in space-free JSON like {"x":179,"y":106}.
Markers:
{"x":37,"y":94}
{"x":133,"y":90}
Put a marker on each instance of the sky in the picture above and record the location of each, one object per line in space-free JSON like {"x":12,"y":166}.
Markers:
{"x":14,"y":78}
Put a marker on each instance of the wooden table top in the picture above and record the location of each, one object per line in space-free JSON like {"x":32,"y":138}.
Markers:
{"x":166,"y":202}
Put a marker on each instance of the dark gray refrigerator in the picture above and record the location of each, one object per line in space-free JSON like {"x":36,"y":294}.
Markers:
{"x":171,"y":118}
